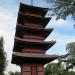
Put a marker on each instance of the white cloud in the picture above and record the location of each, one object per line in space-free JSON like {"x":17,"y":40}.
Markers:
{"x":61,"y":22}
{"x":61,"y":42}
{"x":7,"y":20}
{"x":61,"y":37}
{"x":56,"y":23}
{"x":7,"y":30}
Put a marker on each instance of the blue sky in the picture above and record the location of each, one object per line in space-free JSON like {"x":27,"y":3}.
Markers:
{"x":63,"y":29}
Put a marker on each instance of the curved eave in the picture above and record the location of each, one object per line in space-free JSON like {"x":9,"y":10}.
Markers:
{"x":20,"y":58}
{"x":39,"y":31}
{"x":21,"y":43}
{"x":37,"y":10}
{"x":33,"y":19}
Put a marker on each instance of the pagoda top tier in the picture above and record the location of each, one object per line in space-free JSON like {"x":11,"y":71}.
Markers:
{"x":33,"y":10}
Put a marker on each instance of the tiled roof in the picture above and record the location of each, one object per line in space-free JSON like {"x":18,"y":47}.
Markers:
{"x":34,"y":9}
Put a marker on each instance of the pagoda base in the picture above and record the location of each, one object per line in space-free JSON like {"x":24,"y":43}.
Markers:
{"x":32,"y":69}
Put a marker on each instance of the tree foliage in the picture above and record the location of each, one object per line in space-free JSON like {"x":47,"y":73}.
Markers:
{"x":71,"y":49}
{"x":57,"y":69}
{"x":71,"y":52}
{"x":62,"y":8}
{"x":2,"y":57}
{"x":69,"y":58}
{"x":53,"y":69}
{"x":14,"y":73}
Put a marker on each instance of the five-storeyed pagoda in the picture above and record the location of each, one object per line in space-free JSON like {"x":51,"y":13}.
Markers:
{"x":30,"y":47}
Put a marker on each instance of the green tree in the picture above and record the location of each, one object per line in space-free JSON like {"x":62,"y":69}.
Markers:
{"x":2,"y":57}
{"x":53,"y":69}
{"x":14,"y":73}
{"x":57,"y":69}
{"x":11,"y":73}
{"x":71,"y":73}
{"x":71,"y":53}
{"x":17,"y":73}
{"x":69,"y":58}
{"x":71,"y":49}
{"x":62,"y":8}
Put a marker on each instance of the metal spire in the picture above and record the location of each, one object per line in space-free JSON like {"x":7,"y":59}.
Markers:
{"x":32,"y":2}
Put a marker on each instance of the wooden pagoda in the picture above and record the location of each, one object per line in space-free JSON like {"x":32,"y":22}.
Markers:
{"x":29,"y":46}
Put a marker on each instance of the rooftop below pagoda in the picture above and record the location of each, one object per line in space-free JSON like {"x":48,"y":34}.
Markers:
{"x":20,"y":58}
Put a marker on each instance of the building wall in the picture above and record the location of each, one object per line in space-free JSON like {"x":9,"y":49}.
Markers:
{"x":33,"y":50}
{"x":33,"y":37}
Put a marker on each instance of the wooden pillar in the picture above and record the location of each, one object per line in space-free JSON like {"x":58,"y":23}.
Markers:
{"x":32,"y":69}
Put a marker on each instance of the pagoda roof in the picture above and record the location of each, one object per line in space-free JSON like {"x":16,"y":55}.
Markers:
{"x":20,"y":58}
{"x":33,"y":9}
{"x":20,"y":29}
{"x":21,"y":43}
{"x":22,"y":19}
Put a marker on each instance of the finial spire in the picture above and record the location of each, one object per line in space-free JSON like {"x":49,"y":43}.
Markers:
{"x":32,"y":2}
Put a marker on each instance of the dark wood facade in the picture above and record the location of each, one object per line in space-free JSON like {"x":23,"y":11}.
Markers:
{"x":29,"y":46}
